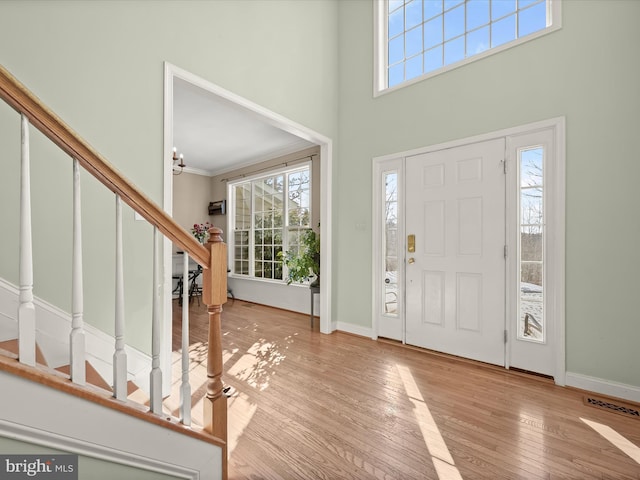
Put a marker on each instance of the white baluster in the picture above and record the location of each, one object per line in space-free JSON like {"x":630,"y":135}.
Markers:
{"x":156,"y":372}
{"x":119,"y":356}
{"x":26,"y":308}
{"x":185,"y":388}
{"x":76,"y":338}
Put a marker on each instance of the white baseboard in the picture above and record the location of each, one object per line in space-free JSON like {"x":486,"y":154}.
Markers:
{"x":53,"y":326}
{"x":605,"y":387}
{"x":354,"y":329}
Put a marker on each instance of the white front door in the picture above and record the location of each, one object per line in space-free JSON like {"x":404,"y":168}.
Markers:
{"x":455,"y":277}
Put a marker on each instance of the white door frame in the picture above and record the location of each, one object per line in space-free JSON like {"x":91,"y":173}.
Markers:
{"x":327,"y":325}
{"x":557,"y":259}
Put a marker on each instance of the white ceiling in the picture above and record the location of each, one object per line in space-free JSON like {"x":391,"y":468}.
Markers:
{"x":217,"y":136}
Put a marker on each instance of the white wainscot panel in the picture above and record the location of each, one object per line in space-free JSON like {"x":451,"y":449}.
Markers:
{"x":433,"y":297}
{"x":434,"y":228}
{"x":469,"y":170}
{"x":470,"y":226}
{"x":433,"y":176}
{"x":469,"y":301}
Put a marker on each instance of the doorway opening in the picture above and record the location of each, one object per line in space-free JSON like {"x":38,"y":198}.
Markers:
{"x":233,"y":102}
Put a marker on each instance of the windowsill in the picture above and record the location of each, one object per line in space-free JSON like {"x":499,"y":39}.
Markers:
{"x":266,"y":281}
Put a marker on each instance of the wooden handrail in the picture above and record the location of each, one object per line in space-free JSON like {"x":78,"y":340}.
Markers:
{"x":25,"y":102}
{"x":212,"y":258}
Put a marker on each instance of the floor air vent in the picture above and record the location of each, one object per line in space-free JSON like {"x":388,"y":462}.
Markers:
{"x":613,"y":406}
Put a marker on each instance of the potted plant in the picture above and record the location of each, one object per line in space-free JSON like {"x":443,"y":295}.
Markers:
{"x":305,"y":265}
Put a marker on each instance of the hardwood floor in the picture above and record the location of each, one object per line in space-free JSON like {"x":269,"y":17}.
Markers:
{"x":312,"y":406}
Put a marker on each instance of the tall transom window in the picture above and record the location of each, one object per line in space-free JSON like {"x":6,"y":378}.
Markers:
{"x":423,"y":37}
{"x":268,"y":215}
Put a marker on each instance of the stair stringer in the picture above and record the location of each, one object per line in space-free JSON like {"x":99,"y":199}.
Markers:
{"x":53,"y":326}
{"x":36,"y":414}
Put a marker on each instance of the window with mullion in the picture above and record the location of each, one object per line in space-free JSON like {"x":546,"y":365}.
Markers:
{"x":266,"y":211}
{"x":423,"y":36}
{"x":298,"y":207}
{"x":268,"y":197}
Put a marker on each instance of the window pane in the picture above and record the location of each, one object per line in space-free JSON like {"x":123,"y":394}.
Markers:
{"x":243,"y":206}
{"x":531,"y":206}
{"x":531,"y":167}
{"x":477,"y":13}
{"x":396,"y":50}
{"x":413,"y":42}
{"x":454,"y":51}
{"x":413,"y":67}
{"x":532,"y":19}
{"x":478,"y":41}
{"x":433,"y":59}
{"x":501,"y":8}
{"x":396,"y":22}
{"x":531,"y":320}
{"x":503,"y":31}
{"x":396,"y":74}
{"x":433,"y":33}
{"x":451,"y":3}
{"x":526,"y":3}
{"x":432,"y":8}
{"x":390,"y":306}
{"x":531,"y":243}
{"x":393,"y":4}
{"x":413,"y":14}
{"x":454,"y":22}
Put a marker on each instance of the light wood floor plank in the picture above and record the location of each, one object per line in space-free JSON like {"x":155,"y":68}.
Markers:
{"x":312,"y":406}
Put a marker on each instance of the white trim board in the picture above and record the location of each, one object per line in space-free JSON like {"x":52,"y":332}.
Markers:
{"x":355,"y":330}
{"x":52,"y":335}
{"x":605,"y":387}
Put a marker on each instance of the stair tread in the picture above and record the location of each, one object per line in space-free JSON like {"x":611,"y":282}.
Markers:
{"x":92,"y":375}
{"x":12,"y":346}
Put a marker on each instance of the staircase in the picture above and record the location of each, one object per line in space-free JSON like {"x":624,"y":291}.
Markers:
{"x":64,"y":399}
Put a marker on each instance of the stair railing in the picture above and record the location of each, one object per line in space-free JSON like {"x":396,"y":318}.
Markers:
{"x":212,"y":257}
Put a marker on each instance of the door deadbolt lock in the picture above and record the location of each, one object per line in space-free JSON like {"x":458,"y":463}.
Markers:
{"x":411,"y":260}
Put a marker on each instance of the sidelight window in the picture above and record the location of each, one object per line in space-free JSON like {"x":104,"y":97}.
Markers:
{"x":532,"y":232}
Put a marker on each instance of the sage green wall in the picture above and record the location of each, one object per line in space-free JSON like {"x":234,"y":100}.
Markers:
{"x":191,"y":197}
{"x":99,"y":65}
{"x":88,"y":468}
{"x":589,"y":71}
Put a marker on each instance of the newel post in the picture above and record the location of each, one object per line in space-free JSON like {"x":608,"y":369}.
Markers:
{"x":214,"y":295}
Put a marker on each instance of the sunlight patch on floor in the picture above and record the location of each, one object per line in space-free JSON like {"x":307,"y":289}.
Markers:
{"x":257,"y":365}
{"x":227,"y":355}
{"x":240,"y":412}
{"x":615,"y":438}
{"x":442,"y":459}
{"x":197,"y":379}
